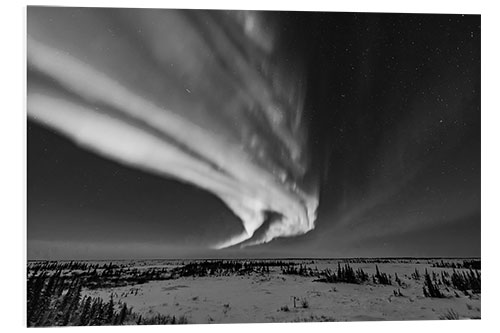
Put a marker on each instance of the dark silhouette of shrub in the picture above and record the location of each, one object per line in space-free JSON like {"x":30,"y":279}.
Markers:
{"x":381,"y":278}
{"x":430,"y":288}
{"x":450,"y":315}
{"x":468,"y":280}
{"x":415,"y":275}
{"x":344,"y":274}
{"x":304,"y":303}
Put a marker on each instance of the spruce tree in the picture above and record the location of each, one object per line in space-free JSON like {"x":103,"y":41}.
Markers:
{"x":84,"y":313}
{"x":110,"y":311}
{"x":123,"y":314}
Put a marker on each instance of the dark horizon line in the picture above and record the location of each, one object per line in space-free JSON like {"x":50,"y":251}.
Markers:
{"x":267,"y":258}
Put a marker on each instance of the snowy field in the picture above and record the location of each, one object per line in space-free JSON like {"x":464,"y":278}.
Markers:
{"x":272,"y":296}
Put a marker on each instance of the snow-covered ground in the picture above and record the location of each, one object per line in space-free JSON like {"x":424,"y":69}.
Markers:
{"x":270,"y":297}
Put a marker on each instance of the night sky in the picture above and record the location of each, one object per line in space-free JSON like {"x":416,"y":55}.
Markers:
{"x":393,"y":104}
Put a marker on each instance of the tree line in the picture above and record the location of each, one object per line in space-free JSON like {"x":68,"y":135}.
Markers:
{"x":56,"y":300}
{"x":466,"y":264}
{"x":466,"y":281}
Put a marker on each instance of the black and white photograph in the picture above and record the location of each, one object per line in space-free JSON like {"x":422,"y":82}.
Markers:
{"x":228,"y":166}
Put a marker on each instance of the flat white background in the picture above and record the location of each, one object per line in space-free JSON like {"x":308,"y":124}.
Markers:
{"x":13,"y":159}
